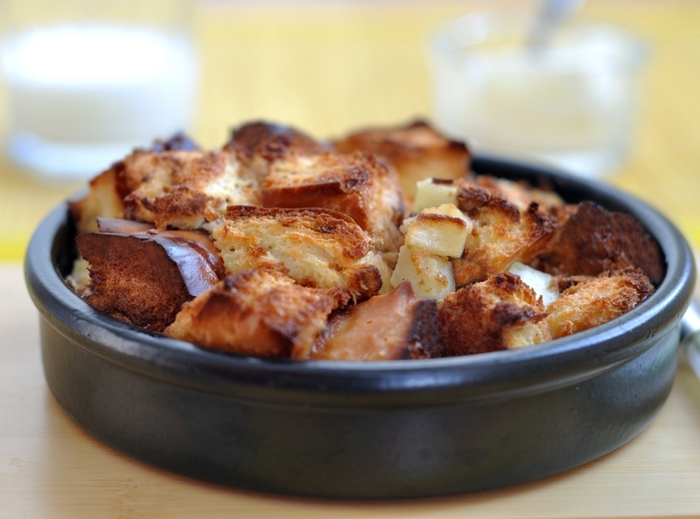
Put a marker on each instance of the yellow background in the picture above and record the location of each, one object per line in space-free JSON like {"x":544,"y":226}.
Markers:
{"x":331,"y":67}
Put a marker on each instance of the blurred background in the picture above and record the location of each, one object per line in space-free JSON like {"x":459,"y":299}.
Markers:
{"x":331,"y":67}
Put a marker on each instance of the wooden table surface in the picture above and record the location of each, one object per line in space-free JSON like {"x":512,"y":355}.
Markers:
{"x":328,"y":68}
{"x":50,"y":467}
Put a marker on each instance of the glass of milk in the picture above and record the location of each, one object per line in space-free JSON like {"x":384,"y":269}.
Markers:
{"x":87,"y":81}
{"x":571,"y":104}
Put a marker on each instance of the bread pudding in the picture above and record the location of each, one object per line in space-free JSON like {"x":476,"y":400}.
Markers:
{"x":380,"y":245}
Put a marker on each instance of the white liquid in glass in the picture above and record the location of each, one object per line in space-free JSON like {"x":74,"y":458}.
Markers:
{"x":82,"y":96}
{"x":571,"y":106}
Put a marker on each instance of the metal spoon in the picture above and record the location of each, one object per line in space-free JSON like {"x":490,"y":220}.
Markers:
{"x":551,"y":15}
{"x":690,"y":330}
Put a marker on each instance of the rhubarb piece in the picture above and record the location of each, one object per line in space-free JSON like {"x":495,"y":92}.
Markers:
{"x":391,"y":326}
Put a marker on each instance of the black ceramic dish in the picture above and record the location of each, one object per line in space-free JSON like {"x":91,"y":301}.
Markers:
{"x":365,"y":430}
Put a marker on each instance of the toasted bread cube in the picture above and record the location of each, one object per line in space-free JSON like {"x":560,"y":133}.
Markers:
{"x":79,"y":278}
{"x":521,"y":194}
{"x":184,"y":189}
{"x":594,"y":240}
{"x":443,"y":233}
{"x":107,"y":190}
{"x":430,"y":275}
{"x":145,"y":277}
{"x":594,"y":301}
{"x":257,"y":312}
{"x":416,"y":150}
{"x":542,"y":283}
{"x":101,"y":199}
{"x":433,"y":192}
{"x":390,"y":326}
{"x":502,"y":234}
{"x":259,"y":144}
{"x":315,"y":247}
{"x":360,"y":186}
{"x":497,"y":314}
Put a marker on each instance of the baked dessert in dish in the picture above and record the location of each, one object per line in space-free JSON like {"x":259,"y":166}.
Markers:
{"x":381,"y":245}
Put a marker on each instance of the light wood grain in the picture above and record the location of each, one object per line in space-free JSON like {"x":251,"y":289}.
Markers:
{"x":50,"y":467}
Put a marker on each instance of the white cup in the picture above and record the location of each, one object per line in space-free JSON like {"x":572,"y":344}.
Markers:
{"x":571,"y":105}
{"x":88,"y":81}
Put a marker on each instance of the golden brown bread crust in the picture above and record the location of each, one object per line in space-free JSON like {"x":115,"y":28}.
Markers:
{"x":316,"y":247}
{"x":593,"y":240}
{"x":391,"y":326}
{"x":184,"y":189}
{"x":144,"y":278}
{"x":258,"y":144}
{"x":521,"y":194}
{"x":103,"y":198}
{"x":502,"y":233}
{"x":360,"y":186}
{"x":181,"y":189}
{"x":589,"y":302}
{"x":416,"y":150}
{"x":257,"y":312}
{"x":106,"y":192}
{"x":197,"y":240}
{"x":497,"y":314}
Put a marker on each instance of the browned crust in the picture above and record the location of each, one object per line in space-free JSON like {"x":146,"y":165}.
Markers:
{"x":260,"y":312}
{"x":502,"y":233}
{"x":425,"y":341}
{"x":270,"y":142}
{"x":361,"y":186}
{"x":497,"y":314}
{"x":590,"y":302}
{"x":417,"y":150}
{"x":103,"y":198}
{"x":192,"y":168}
{"x":331,"y":194}
{"x":522,"y":193}
{"x":327,"y":223}
{"x":565,"y":282}
{"x":593,"y":240}
{"x":144,"y":278}
{"x":169,"y":188}
{"x":193,"y":239}
{"x":317,"y":247}
{"x":170,"y":185}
